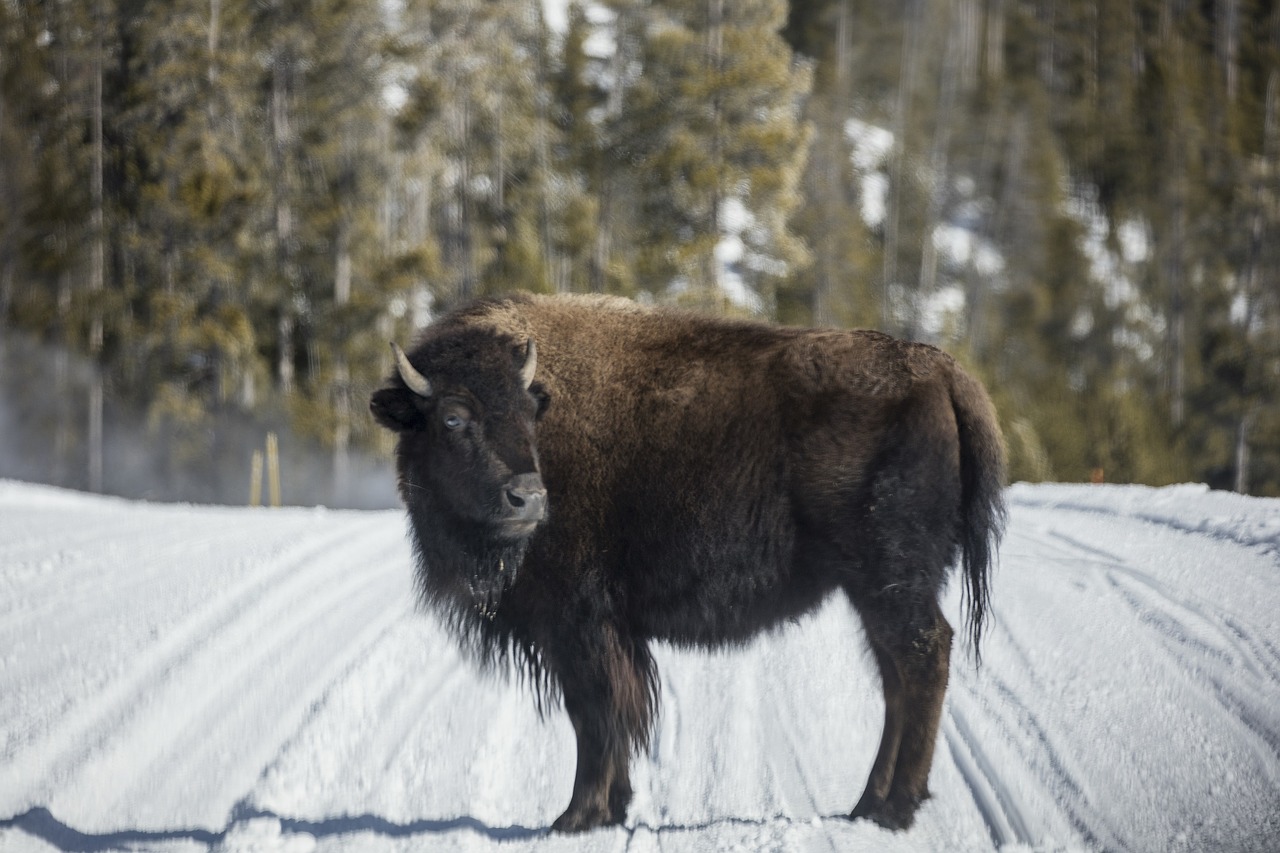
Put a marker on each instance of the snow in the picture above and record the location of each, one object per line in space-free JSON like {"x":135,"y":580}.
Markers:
{"x":187,"y":678}
{"x":556,"y":13}
{"x":963,"y":246}
{"x":871,"y":146}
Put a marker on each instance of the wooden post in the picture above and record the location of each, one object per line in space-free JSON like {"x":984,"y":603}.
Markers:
{"x":273,"y":468}
{"x":255,"y":480}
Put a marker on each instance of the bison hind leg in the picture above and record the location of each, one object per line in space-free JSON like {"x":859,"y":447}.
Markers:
{"x":912,"y":647}
{"x":897,"y":813}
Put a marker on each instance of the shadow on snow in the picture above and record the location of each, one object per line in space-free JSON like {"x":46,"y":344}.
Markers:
{"x":41,"y":823}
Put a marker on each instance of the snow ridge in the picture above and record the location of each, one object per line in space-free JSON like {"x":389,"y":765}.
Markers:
{"x":1190,"y":507}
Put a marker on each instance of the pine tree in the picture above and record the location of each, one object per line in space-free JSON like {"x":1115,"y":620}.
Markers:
{"x":838,"y":288}
{"x":346,"y":130}
{"x":215,"y":202}
{"x":718,"y":147}
{"x":578,"y":159}
{"x":484,"y":134}
{"x":192,"y":190}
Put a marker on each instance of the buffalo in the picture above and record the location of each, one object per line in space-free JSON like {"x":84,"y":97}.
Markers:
{"x":583,"y":475}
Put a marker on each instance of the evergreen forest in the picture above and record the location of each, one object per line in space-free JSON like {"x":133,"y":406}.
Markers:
{"x":214,"y":214}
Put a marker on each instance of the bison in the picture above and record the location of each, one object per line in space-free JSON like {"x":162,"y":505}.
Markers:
{"x":583,"y":475}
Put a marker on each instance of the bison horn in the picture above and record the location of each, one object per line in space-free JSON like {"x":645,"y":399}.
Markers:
{"x":530,"y":364}
{"x":417,"y":383}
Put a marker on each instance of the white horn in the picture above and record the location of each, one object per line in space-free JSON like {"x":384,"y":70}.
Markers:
{"x":530,"y":364}
{"x":417,"y":383}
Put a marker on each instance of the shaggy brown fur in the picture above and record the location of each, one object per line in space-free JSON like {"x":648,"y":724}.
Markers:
{"x":705,"y":479}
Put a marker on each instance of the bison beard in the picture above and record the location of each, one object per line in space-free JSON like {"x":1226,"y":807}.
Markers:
{"x":583,"y":475}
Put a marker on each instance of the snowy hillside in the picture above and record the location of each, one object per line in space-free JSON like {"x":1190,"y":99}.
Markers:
{"x":182,"y":678}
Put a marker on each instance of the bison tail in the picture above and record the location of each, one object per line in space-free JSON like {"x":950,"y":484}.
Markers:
{"x":982,"y":510}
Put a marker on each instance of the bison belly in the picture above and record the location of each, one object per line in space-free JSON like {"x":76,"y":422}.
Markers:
{"x":713,"y":571}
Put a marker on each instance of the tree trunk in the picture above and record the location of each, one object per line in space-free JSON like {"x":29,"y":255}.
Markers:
{"x":286,"y":273}
{"x":557,"y":274}
{"x":215,"y":20}
{"x":995,"y":39}
{"x":467,"y":286}
{"x":938,"y":177}
{"x":341,"y":377}
{"x":1242,"y":453}
{"x":1227,"y":18}
{"x":1175,"y":274}
{"x":712,"y":294}
{"x":606,"y":187}
{"x":908,"y":67}
{"x":600,"y":247}
{"x":97,"y":263}
{"x":832,"y":168}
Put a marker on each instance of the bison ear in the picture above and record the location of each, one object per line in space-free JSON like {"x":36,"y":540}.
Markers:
{"x":396,"y":410}
{"x":541,"y":397}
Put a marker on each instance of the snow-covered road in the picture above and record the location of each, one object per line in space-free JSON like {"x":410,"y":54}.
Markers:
{"x":183,"y":678}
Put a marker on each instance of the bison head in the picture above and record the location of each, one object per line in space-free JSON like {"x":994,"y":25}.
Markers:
{"x":466,"y":458}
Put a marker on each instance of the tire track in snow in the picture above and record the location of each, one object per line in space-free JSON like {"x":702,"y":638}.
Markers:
{"x":713,"y":750}
{"x":1179,"y":621}
{"x":1244,"y":643}
{"x":1253,"y":651}
{"x":798,"y":770}
{"x":804,"y":771}
{"x":502,"y":766}
{"x":711,"y":731}
{"x":1261,"y":648}
{"x":739,"y":717}
{"x":1202,"y":644}
{"x":989,"y":698}
{"x":1004,"y":820}
{"x":73,"y":740}
{"x":98,"y":591}
{"x":259,"y":720}
{"x":407,"y":709}
{"x":678,"y":744}
{"x":1163,"y":607}
{"x":1262,"y":537}
{"x":361,"y":719}
{"x":1158,"y":611}
{"x":70,"y":734}
{"x":667,"y":735}
{"x":414,"y":729}
{"x":1057,"y":765}
{"x":1017,"y":726}
{"x":279,"y":649}
{"x":995,"y":801}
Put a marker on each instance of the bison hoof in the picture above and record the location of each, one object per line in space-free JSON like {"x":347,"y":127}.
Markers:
{"x":581,"y":819}
{"x":619,"y":799}
{"x":897,"y":813}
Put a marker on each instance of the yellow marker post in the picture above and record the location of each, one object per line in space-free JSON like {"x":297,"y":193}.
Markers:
{"x":273,"y":468}
{"x":255,"y":480}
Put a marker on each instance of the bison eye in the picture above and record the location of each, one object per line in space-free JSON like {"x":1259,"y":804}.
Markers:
{"x":452,"y":421}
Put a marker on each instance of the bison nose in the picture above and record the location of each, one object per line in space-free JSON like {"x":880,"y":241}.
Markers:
{"x":526,"y":497}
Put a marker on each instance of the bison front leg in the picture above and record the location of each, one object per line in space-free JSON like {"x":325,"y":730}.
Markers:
{"x":601,"y":765}
{"x":609,"y":693}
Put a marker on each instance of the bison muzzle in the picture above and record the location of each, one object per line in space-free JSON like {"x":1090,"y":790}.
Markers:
{"x":584,"y":475}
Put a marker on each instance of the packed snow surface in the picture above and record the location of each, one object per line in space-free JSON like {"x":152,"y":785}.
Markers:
{"x":184,"y":678}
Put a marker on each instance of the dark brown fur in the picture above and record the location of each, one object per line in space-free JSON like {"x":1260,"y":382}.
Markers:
{"x":706,"y":479}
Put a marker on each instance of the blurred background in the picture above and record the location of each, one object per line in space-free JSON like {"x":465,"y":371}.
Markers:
{"x":214,"y":214}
